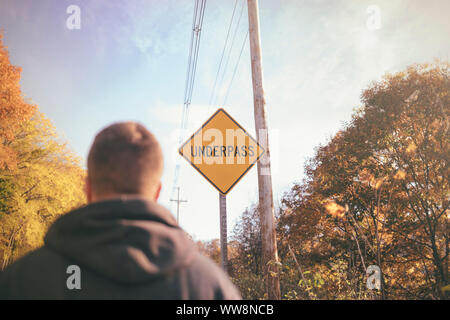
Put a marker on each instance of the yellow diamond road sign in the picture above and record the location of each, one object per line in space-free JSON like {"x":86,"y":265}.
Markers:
{"x":222,"y":151}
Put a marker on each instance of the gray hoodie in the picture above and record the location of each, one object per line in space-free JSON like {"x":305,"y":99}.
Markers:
{"x":123,"y":249}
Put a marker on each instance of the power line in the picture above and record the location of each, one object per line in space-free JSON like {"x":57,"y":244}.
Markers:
{"x":197,"y":30}
{"x":197,"y":24}
{"x":235,"y":69}
{"x":188,"y":72}
{"x":192,"y":62}
{"x":231,"y":46}
{"x":223,"y":52}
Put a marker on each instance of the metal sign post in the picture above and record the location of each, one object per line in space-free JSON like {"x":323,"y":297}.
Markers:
{"x":223,"y":231}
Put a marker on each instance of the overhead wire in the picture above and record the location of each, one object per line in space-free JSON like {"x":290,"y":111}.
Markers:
{"x":192,"y":63}
{"x":197,"y":24}
{"x":235,"y":70}
{"x":231,"y":48}
{"x":223,"y":53}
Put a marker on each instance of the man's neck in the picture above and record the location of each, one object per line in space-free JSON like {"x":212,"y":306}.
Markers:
{"x":118,"y":196}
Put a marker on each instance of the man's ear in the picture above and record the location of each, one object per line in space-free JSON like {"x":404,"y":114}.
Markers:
{"x":158,"y":192}
{"x":88,"y":189}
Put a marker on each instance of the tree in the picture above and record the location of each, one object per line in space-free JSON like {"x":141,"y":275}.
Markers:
{"x":378,"y":192}
{"x":211,"y":249}
{"x":247,"y":234}
{"x":246,"y":255}
{"x":40,"y":177}
{"x":14,"y":110}
{"x":47,"y":182}
{"x":410,"y":155}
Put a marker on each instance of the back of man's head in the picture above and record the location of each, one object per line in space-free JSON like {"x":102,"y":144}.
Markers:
{"x":125,"y":158}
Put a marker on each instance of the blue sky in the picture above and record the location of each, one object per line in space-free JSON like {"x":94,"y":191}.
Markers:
{"x":128,"y":62}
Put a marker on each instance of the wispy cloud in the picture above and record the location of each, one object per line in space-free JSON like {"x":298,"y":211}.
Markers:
{"x":129,"y":61}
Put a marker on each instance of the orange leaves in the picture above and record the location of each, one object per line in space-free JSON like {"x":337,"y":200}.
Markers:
{"x":411,"y":270}
{"x":7,"y":158}
{"x":14,"y":110}
{"x":411,"y":148}
{"x":335,"y":210}
{"x":379,"y":182}
{"x":400,"y":175}
{"x":390,"y":166}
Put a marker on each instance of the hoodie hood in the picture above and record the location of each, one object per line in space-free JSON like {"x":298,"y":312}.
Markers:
{"x":129,"y":241}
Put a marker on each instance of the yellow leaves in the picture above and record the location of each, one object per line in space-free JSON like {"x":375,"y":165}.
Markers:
{"x":379,"y":182}
{"x":49,"y":182}
{"x":390,"y":182}
{"x":335,"y":209}
{"x":446,"y":288}
{"x":400,"y":175}
{"x":411,"y":148}
{"x":387,"y":238}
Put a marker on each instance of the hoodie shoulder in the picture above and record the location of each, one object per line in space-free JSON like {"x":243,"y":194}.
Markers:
{"x":125,"y":249}
{"x":31,"y":276}
{"x":209,"y":281}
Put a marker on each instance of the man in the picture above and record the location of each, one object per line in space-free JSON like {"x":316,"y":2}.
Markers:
{"x":122,"y":245}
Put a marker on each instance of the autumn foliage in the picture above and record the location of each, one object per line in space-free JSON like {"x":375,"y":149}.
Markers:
{"x":40,"y":178}
{"x":14,"y":110}
{"x":376,"y":194}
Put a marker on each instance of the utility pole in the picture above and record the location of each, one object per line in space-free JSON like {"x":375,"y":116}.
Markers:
{"x":178,"y":201}
{"x":266,"y":208}
{"x":223,"y":231}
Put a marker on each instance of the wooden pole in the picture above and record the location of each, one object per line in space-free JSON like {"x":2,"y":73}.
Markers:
{"x":266,"y":208}
{"x":178,"y":201}
{"x":223,"y":231}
